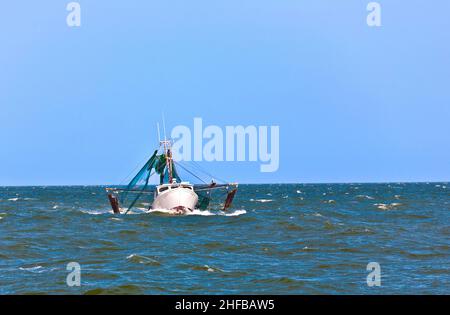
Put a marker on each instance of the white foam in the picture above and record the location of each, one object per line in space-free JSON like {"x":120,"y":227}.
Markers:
{"x":17,"y":198}
{"x":95,"y":212}
{"x":263,"y":200}
{"x":235,"y":213}
{"x":35,"y":269}
{"x":209,"y":269}
{"x":163,"y":211}
{"x":212,"y":269}
{"x":142,"y":259}
{"x":206,"y":213}
{"x":365,"y":196}
{"x":198,"y":212}
{"x":383,"y":206}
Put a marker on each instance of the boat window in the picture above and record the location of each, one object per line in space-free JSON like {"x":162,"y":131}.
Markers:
{"x":188,"y":187}
{"x":163,"y":189}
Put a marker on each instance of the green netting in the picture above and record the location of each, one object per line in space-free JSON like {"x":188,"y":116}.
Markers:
{"x":203,"y":201}
{"x":139,"y":183}
{"x":161,"y":169}
{"x":157,"y":164}
{"x":206,"y":200}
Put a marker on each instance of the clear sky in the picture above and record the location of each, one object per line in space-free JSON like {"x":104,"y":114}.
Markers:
{"x":354,"y":103}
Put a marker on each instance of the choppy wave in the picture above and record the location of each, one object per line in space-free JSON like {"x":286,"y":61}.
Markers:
{"x":391,"y":206}
{"x":143,"y":260}
{"x":195,"y":212}
{"x":365,"y":197}
{"x":96,"y":212}
{"x":36,"y":269}
{"x":296,"y":242}
{"x":198,"y":212}
{"x":262,"y":200}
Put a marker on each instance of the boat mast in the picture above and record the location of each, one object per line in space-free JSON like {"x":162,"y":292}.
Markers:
{"x":168,"y":155}
{"x":167,"y":151}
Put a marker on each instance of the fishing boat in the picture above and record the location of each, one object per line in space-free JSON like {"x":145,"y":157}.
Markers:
{"x":173,"y":195}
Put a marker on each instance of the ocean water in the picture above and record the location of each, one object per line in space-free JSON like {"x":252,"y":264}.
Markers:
{"x":278,"y":239}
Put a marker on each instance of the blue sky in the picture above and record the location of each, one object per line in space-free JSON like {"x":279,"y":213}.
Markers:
{"x":354,"y":103}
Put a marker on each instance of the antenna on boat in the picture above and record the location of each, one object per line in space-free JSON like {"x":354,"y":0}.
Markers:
{"x":167,"y":150}
{"x":159,"y":134}
{"x":164,"y":126}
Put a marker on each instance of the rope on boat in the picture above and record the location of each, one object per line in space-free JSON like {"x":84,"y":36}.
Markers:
{"x":184,"y":168}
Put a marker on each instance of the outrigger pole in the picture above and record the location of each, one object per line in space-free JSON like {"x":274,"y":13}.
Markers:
{"x":229,"y":199}
{"x":114,"y":201}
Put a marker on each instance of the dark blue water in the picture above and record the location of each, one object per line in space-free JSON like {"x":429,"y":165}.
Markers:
{"x":278,"y":239}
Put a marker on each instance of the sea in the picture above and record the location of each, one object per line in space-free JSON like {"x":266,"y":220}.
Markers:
{"x":277,"y":239}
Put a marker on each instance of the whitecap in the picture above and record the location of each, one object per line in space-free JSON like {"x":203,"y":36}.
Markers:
{"x":235,"y":213}
{"x":35,"y":269}
{"x":365,"y":197}
{"x":142,"y":259}
{"x":198,"y":212}
{"x":170,"y":212}
{"x":212,"y":269}
{"x":138,"y":210}
{"x":95,"y":212}
{"x":206,"y":213}
{"x":383,"y":206}
{"x":263,"y":200}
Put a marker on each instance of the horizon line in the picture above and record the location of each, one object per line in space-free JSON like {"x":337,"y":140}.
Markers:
{"x":273,"y":183}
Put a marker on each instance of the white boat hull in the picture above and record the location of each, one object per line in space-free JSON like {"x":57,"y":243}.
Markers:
{"x":180,"y":200}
